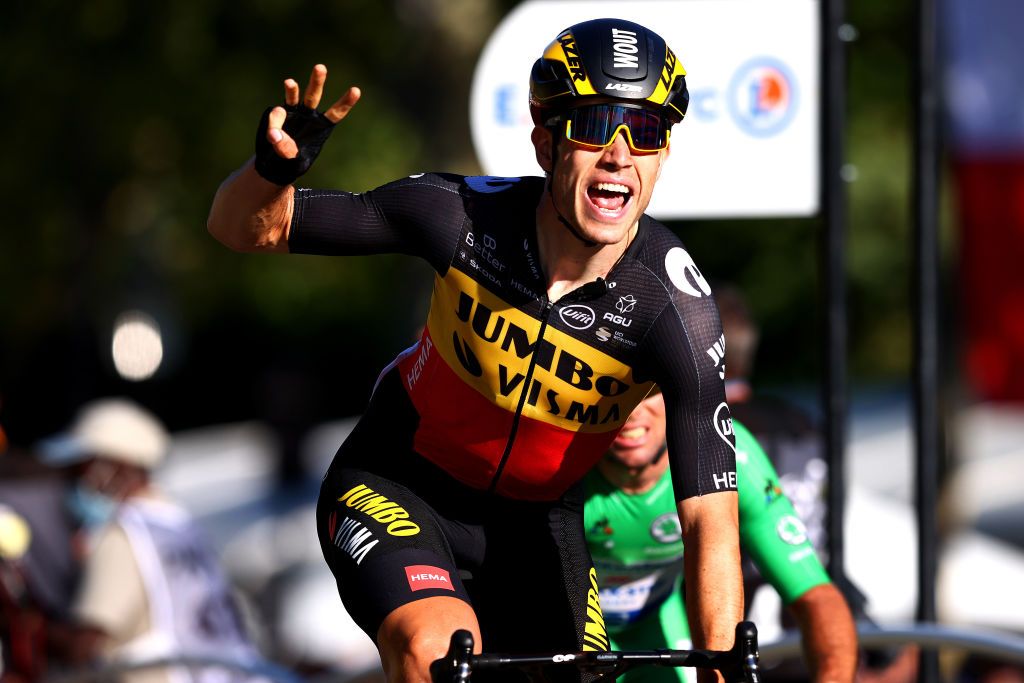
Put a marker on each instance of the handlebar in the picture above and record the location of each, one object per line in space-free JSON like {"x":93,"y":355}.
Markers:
{"x":739,"y":664}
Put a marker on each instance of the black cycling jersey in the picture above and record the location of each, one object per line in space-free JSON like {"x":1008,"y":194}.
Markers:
{"x":506,"y":390}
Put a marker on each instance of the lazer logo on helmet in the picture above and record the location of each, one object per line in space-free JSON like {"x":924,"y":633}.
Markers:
{"x":668,"y":69}
{"x":623,"y":86}
{"x":572,"y":57}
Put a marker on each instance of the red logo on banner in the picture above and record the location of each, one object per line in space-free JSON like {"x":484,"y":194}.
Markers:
{"x":423,"y":576}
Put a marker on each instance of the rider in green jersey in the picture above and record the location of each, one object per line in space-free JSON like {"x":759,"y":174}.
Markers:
{"x":634,"y":537}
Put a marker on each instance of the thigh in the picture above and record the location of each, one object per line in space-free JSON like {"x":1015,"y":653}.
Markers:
{"x":385,"y":545}
{"x":537,"y":590}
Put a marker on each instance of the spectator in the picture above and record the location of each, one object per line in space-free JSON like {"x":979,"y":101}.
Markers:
{"x":150,"y":588}
{"x":38,"y":567}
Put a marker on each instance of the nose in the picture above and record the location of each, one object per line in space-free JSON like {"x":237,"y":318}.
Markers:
{"x":617,"y":153}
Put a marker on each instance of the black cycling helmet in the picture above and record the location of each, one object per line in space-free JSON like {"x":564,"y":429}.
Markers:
{"x":608,"y":58}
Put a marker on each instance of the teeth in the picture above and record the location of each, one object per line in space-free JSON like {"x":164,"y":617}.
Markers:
{"x":634,"y":433}
{"x":613,"y":187}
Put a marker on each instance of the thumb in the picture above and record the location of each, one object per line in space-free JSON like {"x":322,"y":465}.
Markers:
{"x":282,"y":143}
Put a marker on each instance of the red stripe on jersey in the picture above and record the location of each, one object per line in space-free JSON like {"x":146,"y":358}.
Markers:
{"x":464,"y":433}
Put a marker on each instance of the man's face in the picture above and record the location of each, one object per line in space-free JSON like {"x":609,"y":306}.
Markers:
{"x":642,"y":438}
{"x":603,"y":191}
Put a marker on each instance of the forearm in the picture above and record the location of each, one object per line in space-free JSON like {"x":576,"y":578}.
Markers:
{"x":714,"y":581}
{"x":250,"y":213}
{"x":828,"y":633}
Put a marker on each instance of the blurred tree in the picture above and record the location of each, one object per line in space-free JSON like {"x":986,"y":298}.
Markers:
{"x":123,"y":117}
{"x":126,"y":116}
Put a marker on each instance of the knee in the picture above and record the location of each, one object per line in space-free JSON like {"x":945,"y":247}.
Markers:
{"x":407,"y":659}
{"x":412,"y":638}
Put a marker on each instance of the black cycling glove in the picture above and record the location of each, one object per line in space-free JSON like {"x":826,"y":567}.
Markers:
{"x":310,"y":130}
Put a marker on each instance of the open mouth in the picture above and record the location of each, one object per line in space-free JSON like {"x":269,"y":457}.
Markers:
{"x":609,"y":197}
{"x":631,"y":437}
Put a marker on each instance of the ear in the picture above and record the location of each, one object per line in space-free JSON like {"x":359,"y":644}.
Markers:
{"x":541,"y":138}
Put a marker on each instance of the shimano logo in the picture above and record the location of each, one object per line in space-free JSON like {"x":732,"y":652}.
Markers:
{"x":623,"y":86}
{"x":624,"y":45}
{"x":577,"y":316}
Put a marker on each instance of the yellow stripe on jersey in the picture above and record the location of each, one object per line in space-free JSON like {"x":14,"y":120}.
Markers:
{"x":489,"y":343}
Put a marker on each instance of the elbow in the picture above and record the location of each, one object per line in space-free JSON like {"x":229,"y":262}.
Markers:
{"x":244,"y":236}
{"x":218,"y":228}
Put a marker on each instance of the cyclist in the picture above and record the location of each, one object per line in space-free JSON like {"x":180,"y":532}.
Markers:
{"x":457,"y":502}
{"x":634,"y":536}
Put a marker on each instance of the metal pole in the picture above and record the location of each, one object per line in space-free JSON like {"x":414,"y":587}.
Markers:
{"x":926,"y":329}
{"x":833,"y":202}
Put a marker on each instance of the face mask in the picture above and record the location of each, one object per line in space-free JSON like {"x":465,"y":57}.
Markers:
{"x":91,"y":508}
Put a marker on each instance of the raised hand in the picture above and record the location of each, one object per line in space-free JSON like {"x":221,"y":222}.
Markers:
{"x":289,"y":138}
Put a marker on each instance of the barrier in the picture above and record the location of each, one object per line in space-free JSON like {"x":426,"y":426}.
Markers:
{"x":996,"y":644}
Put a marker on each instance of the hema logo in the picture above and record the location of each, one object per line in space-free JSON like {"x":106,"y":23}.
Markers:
{"x":424,"y":576}
{"x":763,"y":97}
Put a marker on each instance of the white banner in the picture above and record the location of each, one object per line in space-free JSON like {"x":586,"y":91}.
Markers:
{"x":749,"y":143}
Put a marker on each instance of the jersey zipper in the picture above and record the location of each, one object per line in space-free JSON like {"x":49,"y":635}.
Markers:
{"x":587,"y":291}
{"x":546,"y":310}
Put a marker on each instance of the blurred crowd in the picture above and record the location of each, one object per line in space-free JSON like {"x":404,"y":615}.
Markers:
{"x":102,"y":570}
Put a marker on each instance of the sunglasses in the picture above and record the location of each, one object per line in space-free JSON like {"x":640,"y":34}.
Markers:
{"x":597,"y":125}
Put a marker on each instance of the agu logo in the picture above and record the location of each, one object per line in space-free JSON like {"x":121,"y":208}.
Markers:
{"x":762,"y":97}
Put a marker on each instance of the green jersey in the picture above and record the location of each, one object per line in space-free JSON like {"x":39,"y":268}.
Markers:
{"x":637,"y":546}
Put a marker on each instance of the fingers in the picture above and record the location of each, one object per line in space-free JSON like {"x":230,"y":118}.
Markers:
{"x":340,"y":109}
{"x":282,"y":143}
{"x":315,"y":89}
{"x":291,"y":92}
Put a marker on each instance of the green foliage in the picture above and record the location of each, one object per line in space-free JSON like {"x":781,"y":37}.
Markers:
{"x":123,"y":118}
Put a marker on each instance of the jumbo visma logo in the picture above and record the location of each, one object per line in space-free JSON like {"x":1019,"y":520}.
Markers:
{"x":490,"y":345}
{"x":595,"y":634}
{"x":393,"y":516}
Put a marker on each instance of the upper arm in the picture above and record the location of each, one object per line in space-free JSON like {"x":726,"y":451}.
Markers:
{"x":685,"y":348}
{"x":420,"y":216}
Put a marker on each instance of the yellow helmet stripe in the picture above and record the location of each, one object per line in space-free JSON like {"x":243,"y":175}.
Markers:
{"x":669,"y":71}
{"x":563,"y":49}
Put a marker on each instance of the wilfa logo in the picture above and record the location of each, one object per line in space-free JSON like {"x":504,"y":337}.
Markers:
{"x":577,"y":316}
